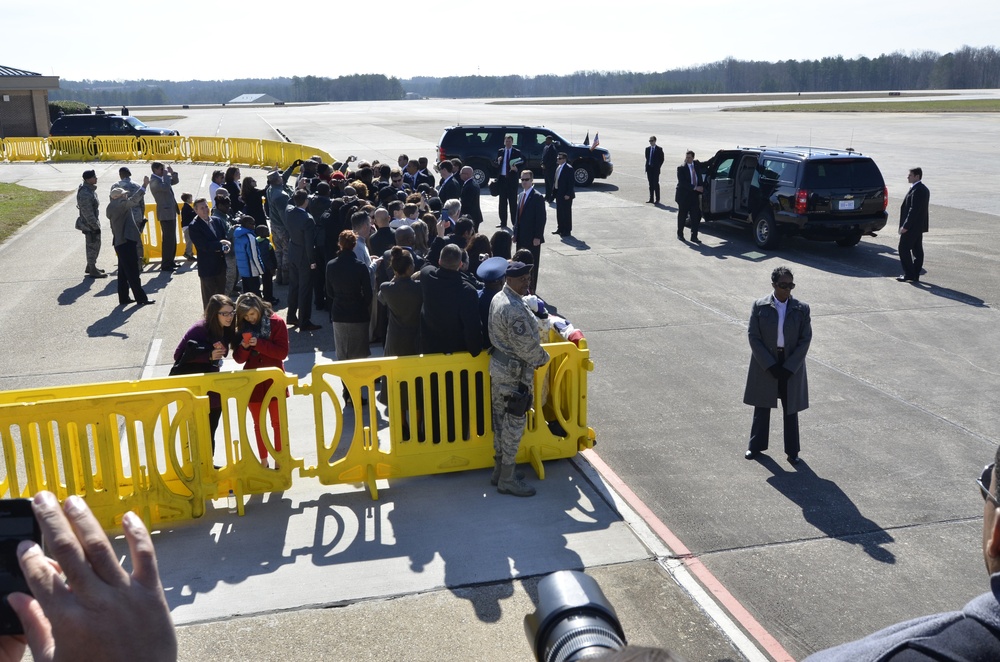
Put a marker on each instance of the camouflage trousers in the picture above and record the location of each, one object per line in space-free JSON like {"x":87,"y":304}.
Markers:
{"x":507,"y":428}
{"x":280,"y":237}
{"x":93,"y":241}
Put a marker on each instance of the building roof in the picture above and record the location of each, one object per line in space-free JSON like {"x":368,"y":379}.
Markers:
{"x":11,"y":71}
{"x":254,"y":98}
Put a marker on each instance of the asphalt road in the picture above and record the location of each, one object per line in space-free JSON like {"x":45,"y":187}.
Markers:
{"x":881,"y":521}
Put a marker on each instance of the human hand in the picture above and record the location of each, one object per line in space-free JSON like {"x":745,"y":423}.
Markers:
{"x":536,"y":242}
{"x":97,"y":611}
{"x":145,"y":181}
{"x":902,"y":230}
{"x":775,"y":371}
{"x":12,"y":647}
{"x":252,"y":342}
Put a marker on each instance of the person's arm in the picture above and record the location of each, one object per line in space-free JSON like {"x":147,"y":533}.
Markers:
{"x":366,"y":288}
{"x":472,"y":325}
{"x":275,"y":347}
{"x":758,"y":348}
{"x":797,"y":357}
{"x":85,"y":604}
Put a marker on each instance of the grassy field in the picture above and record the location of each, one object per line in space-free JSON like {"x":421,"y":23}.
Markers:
{"x":936,"y":106}
{"x":705,"y":98}
{"x":18,"y":205}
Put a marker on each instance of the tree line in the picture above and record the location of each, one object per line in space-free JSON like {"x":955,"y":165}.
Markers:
{"x":966,"y":68}
{"x":359,"y":87}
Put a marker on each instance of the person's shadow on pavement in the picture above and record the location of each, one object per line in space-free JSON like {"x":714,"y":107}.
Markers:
{"x":828,"y":508}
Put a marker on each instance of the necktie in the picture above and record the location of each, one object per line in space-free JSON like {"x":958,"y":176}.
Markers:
{"x":694,"y":182}
{"x":520,"y":205}
{"x":506,"y":161}
{"x":652,"y":149}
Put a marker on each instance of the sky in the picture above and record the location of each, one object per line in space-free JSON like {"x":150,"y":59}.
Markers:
{"x":193,"y":39}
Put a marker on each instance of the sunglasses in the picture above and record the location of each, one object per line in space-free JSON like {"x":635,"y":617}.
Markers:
{"x":785,"y":286}
{"x":984,"y":482}
{"x":525,"y":179}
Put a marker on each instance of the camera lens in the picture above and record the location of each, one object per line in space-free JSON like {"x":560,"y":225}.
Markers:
{"x":573,"y":621}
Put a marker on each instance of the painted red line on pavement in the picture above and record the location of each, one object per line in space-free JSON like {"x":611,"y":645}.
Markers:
{"x":697,"y":568}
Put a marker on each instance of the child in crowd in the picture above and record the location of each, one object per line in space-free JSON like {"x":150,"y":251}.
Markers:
{"x":187,"y":216}
{"x":248,"y":261}
{"x":269,"y":260}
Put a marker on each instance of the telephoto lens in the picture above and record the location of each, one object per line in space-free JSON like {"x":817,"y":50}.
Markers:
{"x":573,"y":621}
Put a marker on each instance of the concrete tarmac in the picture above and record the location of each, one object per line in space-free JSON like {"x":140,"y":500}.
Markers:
{"x":879,"y":523}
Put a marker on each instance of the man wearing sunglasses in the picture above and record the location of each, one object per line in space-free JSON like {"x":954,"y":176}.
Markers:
{"x":970,"y":634}
{"x":780,"y":331}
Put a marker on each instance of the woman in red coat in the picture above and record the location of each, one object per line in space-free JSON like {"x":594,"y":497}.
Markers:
{"x":263,"y":344}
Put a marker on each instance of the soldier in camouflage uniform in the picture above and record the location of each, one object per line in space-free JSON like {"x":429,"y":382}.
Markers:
{"x":89,"y":221}
{"x":515,"y":356}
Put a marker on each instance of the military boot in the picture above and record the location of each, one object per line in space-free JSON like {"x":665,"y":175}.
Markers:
{"x":510,"y":484}
{"x":495,"y":478}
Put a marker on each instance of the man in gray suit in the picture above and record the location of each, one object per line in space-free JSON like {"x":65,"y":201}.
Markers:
{"x":780,"y":331}
{"x":161,"y":186}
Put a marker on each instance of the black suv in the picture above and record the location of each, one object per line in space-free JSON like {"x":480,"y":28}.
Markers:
{"x":104,"y":124}
{"x":822,"y":194}
{"x":478,"y":146}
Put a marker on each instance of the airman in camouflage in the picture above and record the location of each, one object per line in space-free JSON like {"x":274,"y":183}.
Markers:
{"x":89,"y":221}
{"x":516,"y":354}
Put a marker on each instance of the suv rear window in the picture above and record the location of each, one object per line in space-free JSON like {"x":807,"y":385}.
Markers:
{"x":842,"y":174}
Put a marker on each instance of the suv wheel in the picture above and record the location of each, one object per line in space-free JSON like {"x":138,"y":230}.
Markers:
{"x":849,"y":240}
{"x":480,"y":175}
{"x":583,"y":175}
{"x":765,"y":231}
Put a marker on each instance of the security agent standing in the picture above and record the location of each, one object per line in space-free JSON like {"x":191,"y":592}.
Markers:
{"x":89,"y":221}
{"x":161,"y":186}
{"x":780,"y":331}
{"x":654,"y":161}
{"x":516,"y":354}
{"x":688,"y":197}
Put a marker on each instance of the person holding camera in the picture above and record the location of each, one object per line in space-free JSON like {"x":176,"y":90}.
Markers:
{"x":208,"y":233}
{"x":517,"y":352}
{"x":84,"y":604}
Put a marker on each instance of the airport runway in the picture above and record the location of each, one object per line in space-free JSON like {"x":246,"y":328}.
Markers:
{"x":881,"y":521}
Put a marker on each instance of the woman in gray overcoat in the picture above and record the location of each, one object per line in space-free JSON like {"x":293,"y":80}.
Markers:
{"x":778,"y":364}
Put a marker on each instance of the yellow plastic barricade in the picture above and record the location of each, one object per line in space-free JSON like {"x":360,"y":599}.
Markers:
{"x":242,"y":471}
{"x":23,"y":149}
{"x":212,"y":150}
{"x":273,"y":154}
{"x":119,"y":452}
{"x":72,"y":148}
{"x":439,"y":416}
{"x":152,"y":235}
{"x":245,"y":151}
{"x":162,"y":148}
{"x":116,"y":148}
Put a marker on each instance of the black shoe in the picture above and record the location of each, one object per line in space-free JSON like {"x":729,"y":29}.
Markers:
{"x":147,"y":302}
{"x":96,"y":274}
{"x":696,"y":240}
{"x":649,"y":202}
{"x":126,"y":302}
{"x":657,"y":201}
{"x":793,"y":459}
{"x":680,"y":235}
{"x":168,"y":268}
{"x":749,"y":455}
{"x":292,"y":321}
{"x":902,"y":279}
{"x":309,"y":326}
{"x":557,"y":232}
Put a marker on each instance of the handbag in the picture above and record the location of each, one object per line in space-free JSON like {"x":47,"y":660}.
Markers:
{"x":186,"y":366}
{"x":494,"y":187}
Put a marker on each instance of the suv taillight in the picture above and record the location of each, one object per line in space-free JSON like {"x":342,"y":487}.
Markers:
{"x":441,"y":155}
{"x":801,"y":197}
{"x":885,"y":198}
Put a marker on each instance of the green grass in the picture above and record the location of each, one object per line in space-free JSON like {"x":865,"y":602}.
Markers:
{"x":955,"y":106}
{"x":18,"y":205}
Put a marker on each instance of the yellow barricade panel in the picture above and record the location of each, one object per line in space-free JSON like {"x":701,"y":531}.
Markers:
{"x":162,"y":148}
{"x":246,"y":151}
{"x":116,"y":148}
{"x":72,"y":148}
{"x":273,"y":154}
{"x":24,"y":149}
{"x":213,"y":150}
{"x":119,"y":452}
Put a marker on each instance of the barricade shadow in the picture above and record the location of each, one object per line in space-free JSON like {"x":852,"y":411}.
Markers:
{"x":454,"y":526}
{"x":828,"y":508}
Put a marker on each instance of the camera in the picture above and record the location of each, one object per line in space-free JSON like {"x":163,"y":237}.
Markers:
{"x":17,"y":523}
{"x":573,"y":621}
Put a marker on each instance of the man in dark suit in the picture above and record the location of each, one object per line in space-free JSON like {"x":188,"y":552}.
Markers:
{"x":688,"y":196}
{"x":451,"y":188}
{"x":301,"y":261}
{"x":549,"y":165}
{"x":470,"y":196}
{"x":529,"y":222}
{"x":564,"y":190}
{"x":913,"y":223}
{"x":208,"y":234}
{"x":654,"y":161}
{"x":508,"y":160}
